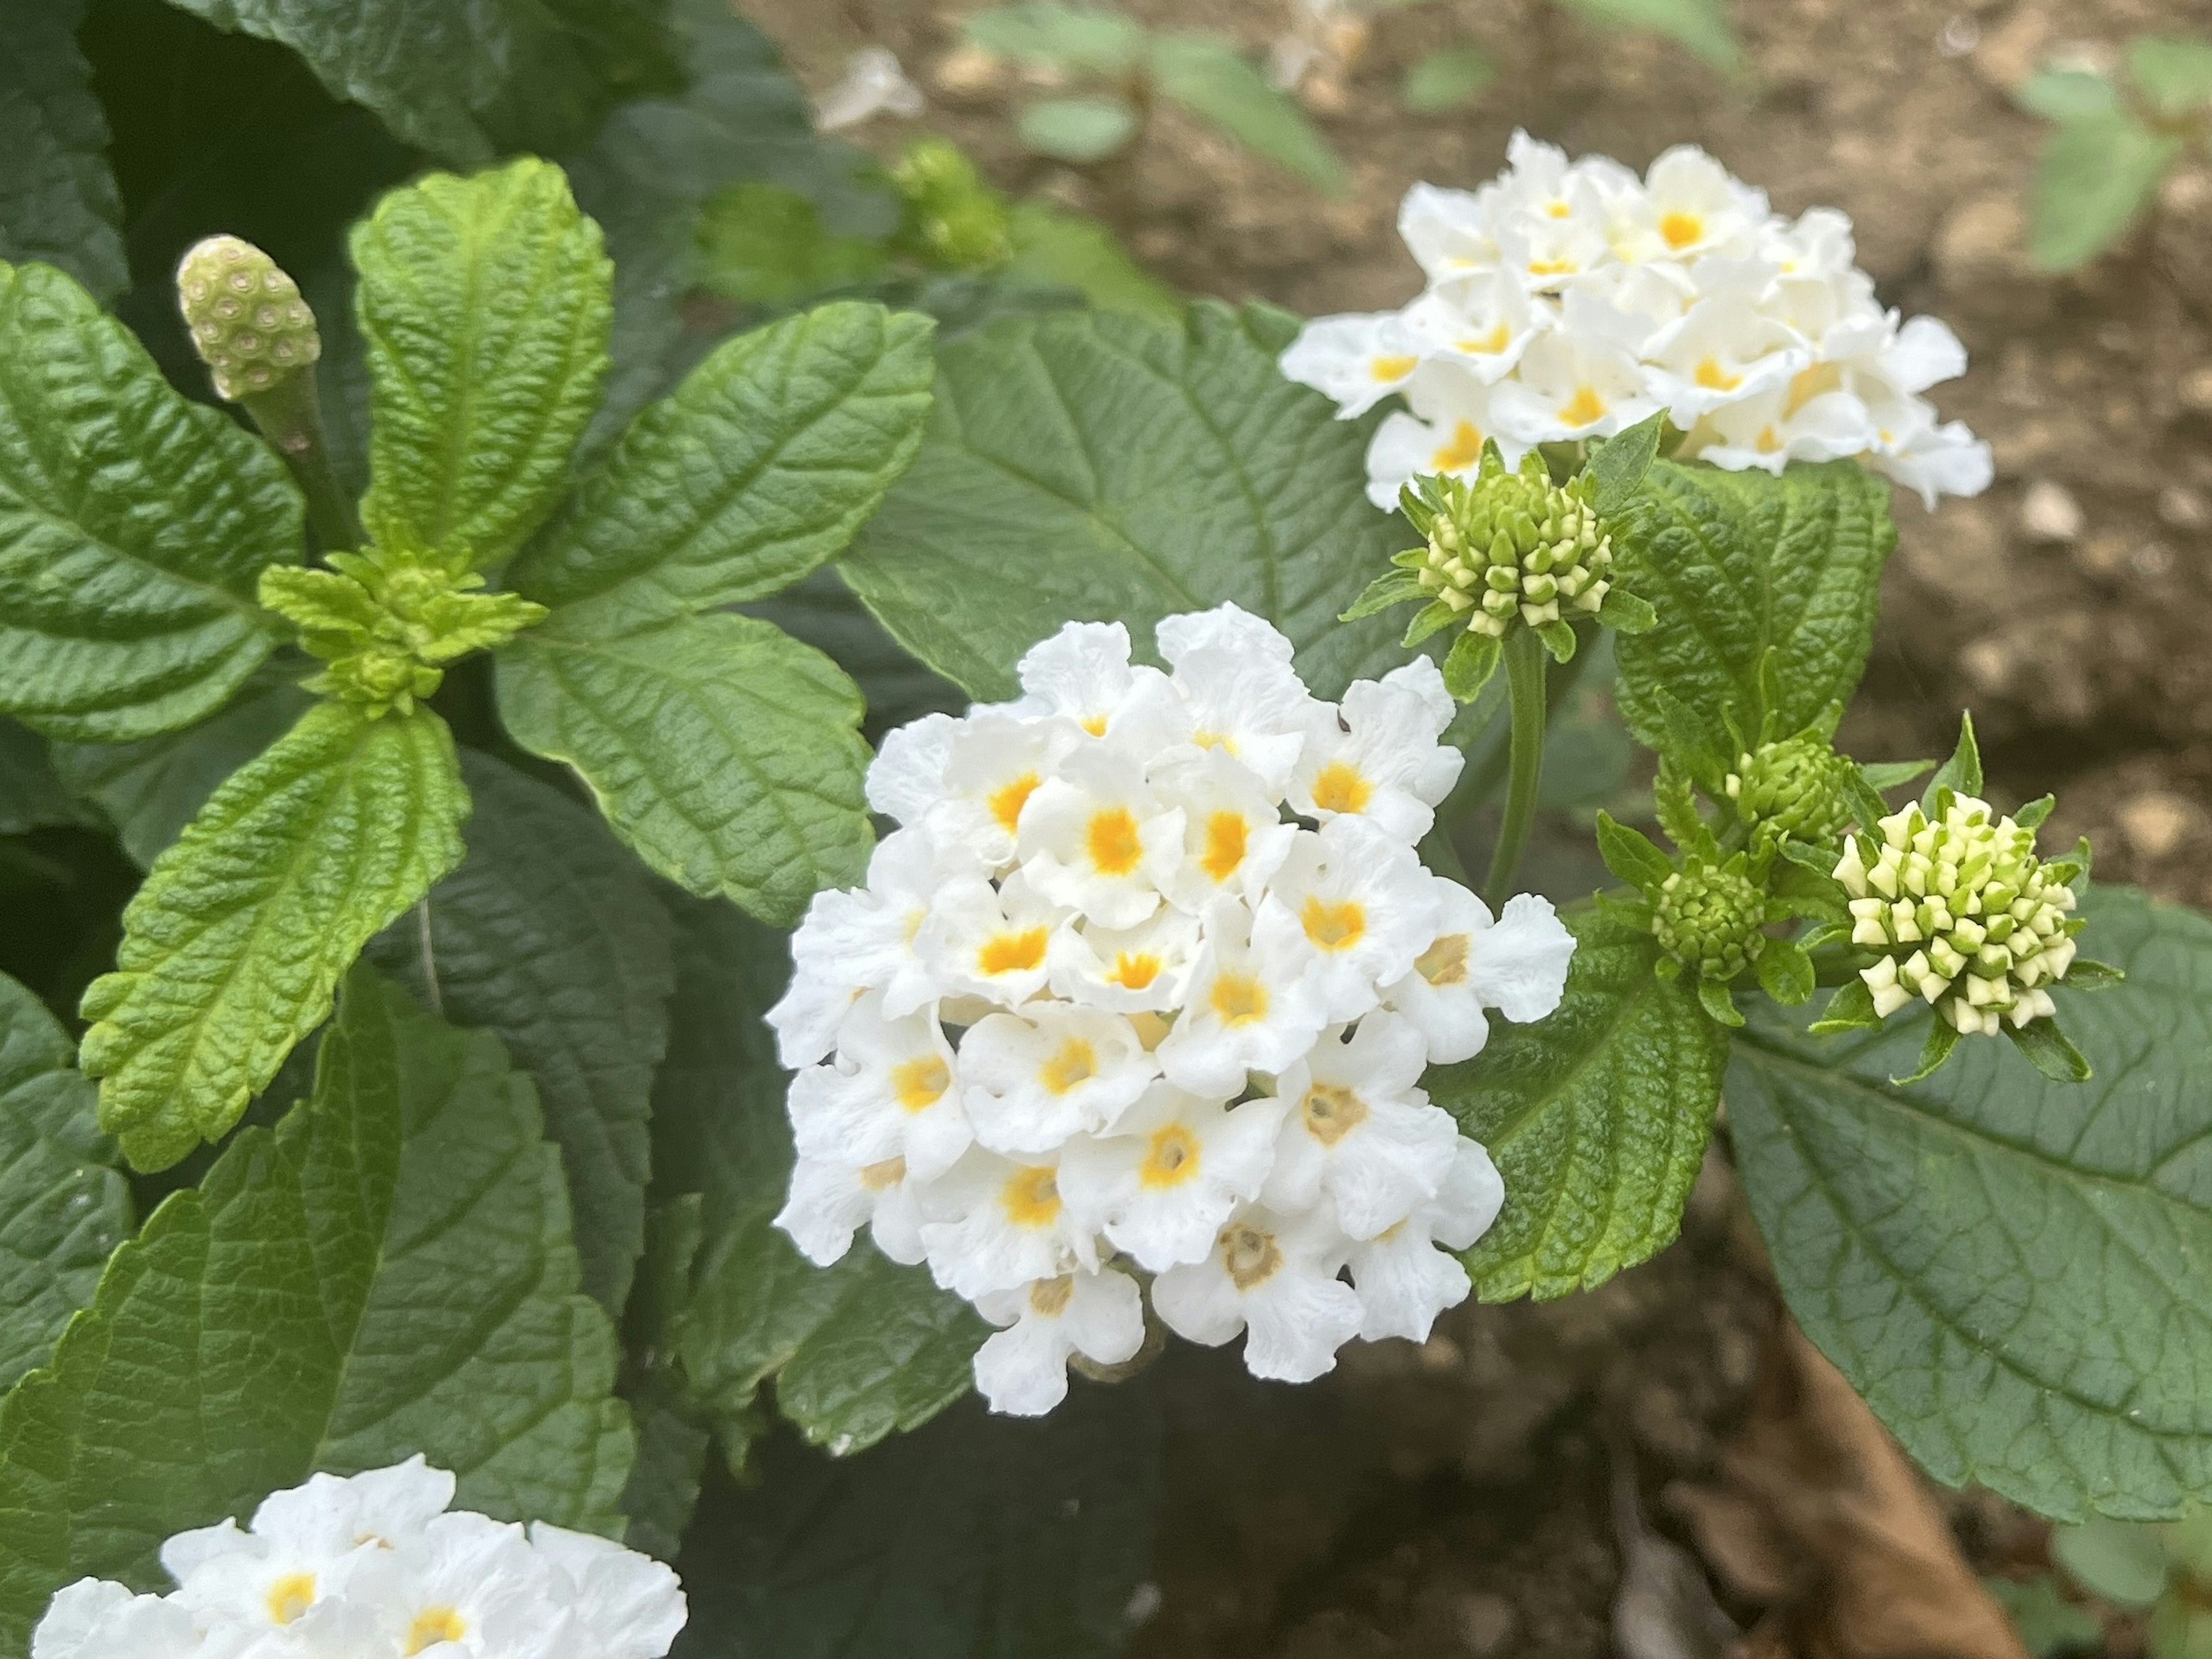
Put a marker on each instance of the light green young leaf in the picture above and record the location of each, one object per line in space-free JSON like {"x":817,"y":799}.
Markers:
{"x":2173,"y":73}
{"x":2061,"y":94}
{"x":1086,"y":38}
{"x":1700,"y":27}
{"x":1208,"y":76}
{"x":2097,"y":173}
{"x":1597,"y":1117}
{"x":1067,"y":250}
{"x":760,"y":243}
{"x":232,"y":948}
{"x":151,"y":789}
{"x":548,"y":936}
{"x":2122,"y":1561}
{"x":722,"y":750}
{"x":2048,"y":1625}
{"x":1091,"y":466}
{"x":387,"y":1272}
{"x":466,"y":83}
{"x":63,"y":1204}
{"x":859,"y":1351}
{"x":2006,"y":1267}
{"x":759,"y":468}
{"x":484,"y":304}
{"x":133,"y":524}
{"x":978,"y":1538}
{"x":1449,"y":78}
{"x":33,"y":793}
{"x":58,"y":202}
{"x":1741,"y":564}
{"x":1076,"y":130}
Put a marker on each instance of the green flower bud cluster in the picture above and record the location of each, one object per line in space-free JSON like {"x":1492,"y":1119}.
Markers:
{"x":1792,"y":788}
{"x":1515,"y":544}
{"x":1966,"y":917}
{"x":1707,"y":917}
{"x":954,"y":218}
{"x":389,"y":623}
{"x":248,"y":323}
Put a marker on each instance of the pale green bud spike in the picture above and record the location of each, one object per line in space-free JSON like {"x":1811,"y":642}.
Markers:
{"x":1707,"y":918}
{"x":248,"y":323}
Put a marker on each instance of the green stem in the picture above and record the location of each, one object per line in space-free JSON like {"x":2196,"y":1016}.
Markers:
{"x":1524,"y":683}
{"x":291,"y":416}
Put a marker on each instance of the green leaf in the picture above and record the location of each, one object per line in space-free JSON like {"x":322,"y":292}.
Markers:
{"x":2173,"y":73}
{"x":550,"y":937}
{"x":34,"y":794}
{"x":58,"y":201}
{"x":2006,"y":1267}
{"x":722,"y":750}
{"x":2064,"y":95}
{"x":1625,"y":613}
{"x":823,"y":612}
{"x":1700,"y":27}
{"x":859,"y":1351}
{"x":2122,"y":1561}
{"x":1449,"y":78}
{"x":2046,"y":1622}
{"x":1851,"y":1009}
{"x":1622,"y":462}
{"x":466,"y":83}
{"x":151,"y":789}
{"x":133,"y":525}
{"x":1785,"y":972}
{"x":387,"y":1272}
{"x":1629,"y":854}
{"x":234,"y":946}
{"x":1077,"y":130}
{"x":1941,"y":1040}
{"x":2096,"y":175}
{"x":1069,"y":250}
{"x":1739,"y":565}
{"x":2050,"y":1051}
{"x":484,"y":304}
{"x":1597,"y":1117}
{"x":765,"y":245}
{"x":1087,"y":38}
{"x":768,"y":458}
{"x":1882,"y":776}
{"x":1127,"y":472}
{"x":1718,"y":1002}
{"x":1208,"y":76}
{"x":63,"y":1204}
{"x":1392,"y":587}
{"x":1961,"y":775}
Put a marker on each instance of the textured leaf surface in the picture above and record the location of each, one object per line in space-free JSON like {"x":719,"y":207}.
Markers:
{"x":388,"y":1272}
{"x":151,"y":789}
{"x":1093,"y":466}
{"x":1597,"y":1117}
{"x":133,"y":524}
{"x":32,"y":795}
{"x":484,"y":304}
{"x":62,"y":1205}
{"x":760,"y":467}
{"x":465,"y":79}
{"x":1741,"y":563}
{"x":724,"y":751}
{"x":859,"y":1351}
{"x":58,"y":202}
{"x":234,"y":946}
{"x":824,"y":613}
{"x":550,"y":936}
{"x":2017,"y":1273}
{"x":978,"y":1538}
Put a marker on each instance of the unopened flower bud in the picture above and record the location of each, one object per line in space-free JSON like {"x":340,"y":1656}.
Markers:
{"x":247,"y":320}
{"x":1707,"y":918}
{"x":1535,"y":548}
{"x":1795,"y":789}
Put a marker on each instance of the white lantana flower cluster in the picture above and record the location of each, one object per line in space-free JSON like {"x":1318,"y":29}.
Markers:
{"x":376,"y":1566}
{"x":1571,"y":300}
{"x":1105,"y":1009}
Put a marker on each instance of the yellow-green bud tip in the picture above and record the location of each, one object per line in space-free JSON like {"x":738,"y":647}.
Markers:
{"x":246,"y":319}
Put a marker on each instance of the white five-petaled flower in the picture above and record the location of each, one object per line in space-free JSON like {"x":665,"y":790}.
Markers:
{"x":1147,"y":983}
{"x":1568,"y":300}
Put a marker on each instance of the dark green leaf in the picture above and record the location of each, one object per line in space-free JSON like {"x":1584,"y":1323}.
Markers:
{"x":1597,"y":1117}
{"x":2047,"y":1623}
{"x":33,"y":793}
{"x":58,"y":202}
{"x":2097,"y":174}
{"x":484,"y":304}
{"x":1087,"y":38}
{"x":1739,"y":565}
{"x":1078,"y":131}
{"x":1785,"y":972}
{"x":234,"y":946}
{"x":1962,"y":773}
{"x":823,"y":612}
{"x":1208,"y":76}
{"x":388,"y":1272}
{"x":2048,"y":1051}
{"x":2087,"y":975}
{"x":133,"y":526}
{"x":1394,"y":588}
{"x":63,"y":1204}
{"x":1942,"y":1039}
{"x":1126,"y":472}
{"x":1630,"y":855}
{"x":550,"y":937}
{"x":1449,"y":78}
{"x":2004,"y":1265}
{"x":1851,"y":1009}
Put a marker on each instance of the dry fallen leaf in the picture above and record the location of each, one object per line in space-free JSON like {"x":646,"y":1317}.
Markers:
{"x":1819,"y":1518}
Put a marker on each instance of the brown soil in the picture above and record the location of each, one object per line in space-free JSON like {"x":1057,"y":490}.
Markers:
{"x":1452,"y":1499}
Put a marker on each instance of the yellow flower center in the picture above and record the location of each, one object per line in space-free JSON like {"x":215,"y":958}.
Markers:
{"x":1332,"y":1112}
{"x":1095,"y":724}
{"x":1559,"y":267}
{"x":1769,"y":441}
{"x":1032,"y":1197}
{"x":1134,"y":970}
{"x":1714,"y":378}
{"x":1239,"y":999}
{"x":1075,"y":1062}
{"x":1464,"y":450}
{"x":1585,"y":408}
{"x":1112,"y":841}
{"x":1214,"y":740}
{"x":1251,"y":1256}
{"x":1679,"y":229}
{"x":1007,"y":800}
{"x":1172,"y":1159}
{"x":1386,"y":369}
{"x":918,"y":1084}
{"x":1012,"y":953}
{"x":1810,"y":383}
{"x":1488,"y":344}
{"x":433,"y":1626}
{"x":1341,"y":788}
{"x":1225,"y":835}
{"x":1444,"y":963}
{"x":1337,"y":926}
{"x":290,"y":1596}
